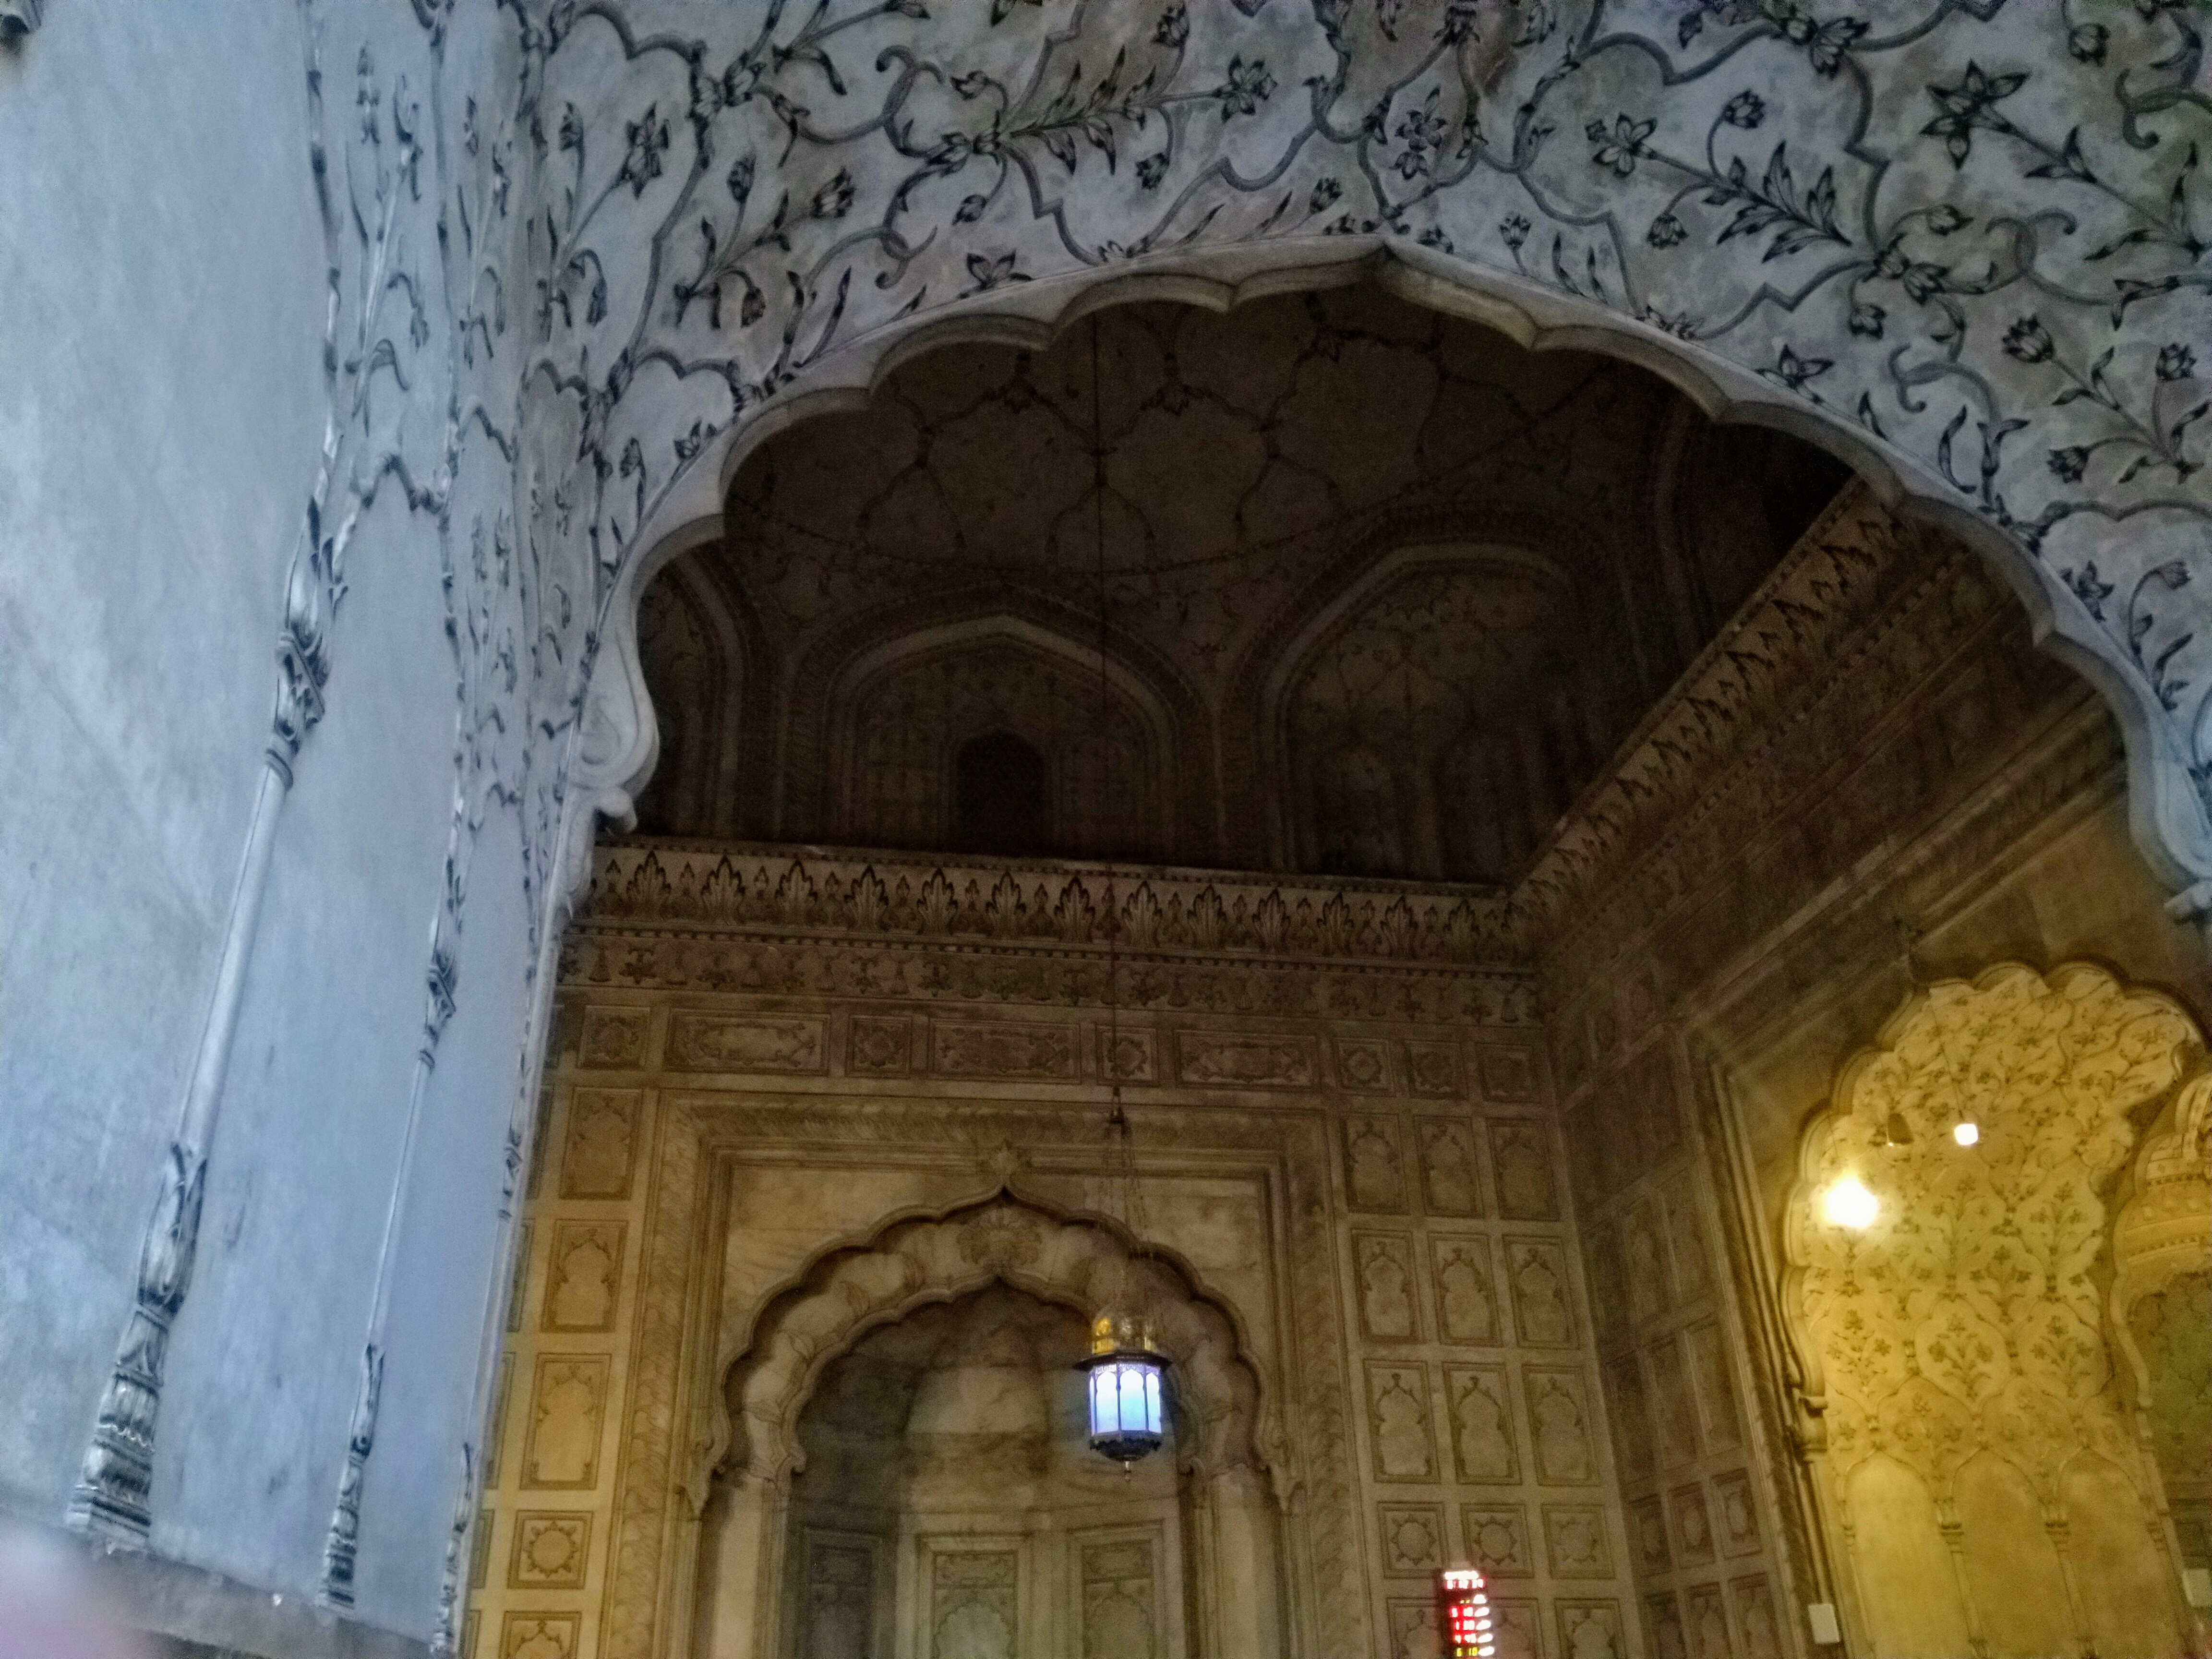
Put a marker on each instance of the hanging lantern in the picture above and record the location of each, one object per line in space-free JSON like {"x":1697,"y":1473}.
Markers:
{"x":1126,"y":1414}
{"x":1463,"y":1612}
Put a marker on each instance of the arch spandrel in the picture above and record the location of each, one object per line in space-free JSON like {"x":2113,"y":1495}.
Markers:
{"x":1907,"y":236}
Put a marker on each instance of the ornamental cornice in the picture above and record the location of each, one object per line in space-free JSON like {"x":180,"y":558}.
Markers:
{"x":784,"y":921}
{"x":769,"y":888}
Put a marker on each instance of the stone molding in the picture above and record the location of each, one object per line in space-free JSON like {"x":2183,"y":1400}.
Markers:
{"x":671,"y":916}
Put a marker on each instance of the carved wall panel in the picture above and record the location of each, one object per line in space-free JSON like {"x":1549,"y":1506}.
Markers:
{"x":1671,"y":1364}
{"x":1431,"y":1346}
{"x":1962,"y":1335}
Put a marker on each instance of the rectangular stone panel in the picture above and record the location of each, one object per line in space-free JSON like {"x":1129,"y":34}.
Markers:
{"x":1413,"y":1536}
{"x":879,"y":1045}
{"x":1485,"y":1445}
{"x":1662,"y":1626}
{"x":601,"y":1157}
{"x":1497,"y":1541}
{"x":700,"y":1042}
{"x":1559,"y":1425}
{"x":1517,"y":1629}
{"x":1543,"y":1309}
{"x":1128,"y":1056}
{"x":840,"y":1609}
{"x":1591,"y":1629}
{"x":1466,"y":1290}
{"x":1575,"y":1544}
{"x":1374,"y":1166}
{"x":1735,"y":1515}
{"x":1673,"y":1411}
{"x":1022,"y":1053}
{"x":1706,"y":1616}
{"x":583,"y":1276}
{"x":1400,"y":1437}
{"x":1362,"y":1065}
{"x":1643,"y":1252}
{"x":1686,"y":1240}
{"x":1693,"y":1529}
{"x":550,"y":1550}
{"x":480,"y":1549}
{"x":1382,"y":1286}
{"x":1434,"y":1070}
{"x":1451,"y":1167}
{"x":615,"y":1038}
{"x":1715,"y":1381}
{"x":1631,"y":1416}
{"x":1413,"y":1627}
{"x":1509,"y":1073}
{"x":1118,"y":1570}
{"x":973,"y":1603}
{"x":567,"y":1409}
{"x":1646,"y":1537}
{"x":1757,"y":1621}
{"x":1246,"y":1062}
{"x":1521,"y":1160}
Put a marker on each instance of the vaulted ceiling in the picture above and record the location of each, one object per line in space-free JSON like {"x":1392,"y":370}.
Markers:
{"x":1374,"y":592}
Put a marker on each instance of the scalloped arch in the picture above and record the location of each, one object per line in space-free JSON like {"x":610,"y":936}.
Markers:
{"x":918,"y":1260}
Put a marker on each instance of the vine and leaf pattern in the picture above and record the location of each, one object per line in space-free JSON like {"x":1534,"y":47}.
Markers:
{"x":1975,"y":232}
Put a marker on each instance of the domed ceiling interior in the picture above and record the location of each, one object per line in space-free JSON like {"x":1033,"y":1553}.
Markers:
{"x":1376,"y":591}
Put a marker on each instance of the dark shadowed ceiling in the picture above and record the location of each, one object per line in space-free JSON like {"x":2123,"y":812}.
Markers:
{"x":1376,"y":591}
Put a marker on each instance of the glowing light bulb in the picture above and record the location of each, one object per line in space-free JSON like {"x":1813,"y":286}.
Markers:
{"x":1848,"y":1203}
{"x":1966,"y":1132}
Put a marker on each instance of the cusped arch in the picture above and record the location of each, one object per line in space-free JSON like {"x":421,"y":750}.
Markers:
{"x":920,"y":1261}
{"x":2168,"y":808}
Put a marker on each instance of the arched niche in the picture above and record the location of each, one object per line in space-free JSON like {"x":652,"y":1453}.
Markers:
{"x":1225,"y":1459}
{"x":1397,"y":723}
{"x":1958,"y":1354}
{"x":900,"y":714}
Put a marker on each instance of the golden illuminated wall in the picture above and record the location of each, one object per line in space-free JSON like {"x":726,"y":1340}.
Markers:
{"x":1349,"y":1146}
{"x":1982,"y":1459}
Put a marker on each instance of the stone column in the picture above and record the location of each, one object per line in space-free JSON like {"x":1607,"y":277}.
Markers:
{"x":741,"y":1558}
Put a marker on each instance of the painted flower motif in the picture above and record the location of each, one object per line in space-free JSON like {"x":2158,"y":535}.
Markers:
{"x":1618,"y":148}
{"x":1248,"y":86}
{"x":2176,"y":362}
{"x":1972,"y":103}
{"x":1150,"y":169}
{"x":1943,"y":219}
{"x":2070,"y":464}
{"x":1434,"y":237}
{"x":2029,"y":341}
{"x":1924,"y":281}
{"x":1665,"y":231}
{"x":2087,"y":41}
{"x":1867,"y":319}
{"x":1514,"y":227}
{"x":648,"y":137}
{"x":1795,"y":372}
{"x":835,"y":199}
{"x":1745,"y":110}
{"x":1173,"y":28}
{"x":1326,"y":194}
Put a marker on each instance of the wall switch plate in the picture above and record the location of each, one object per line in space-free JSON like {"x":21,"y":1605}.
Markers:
{"x":1822,"y":1616}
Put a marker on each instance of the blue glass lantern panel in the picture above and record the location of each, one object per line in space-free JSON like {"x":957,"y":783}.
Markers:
{"x":1125,"y":1412}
